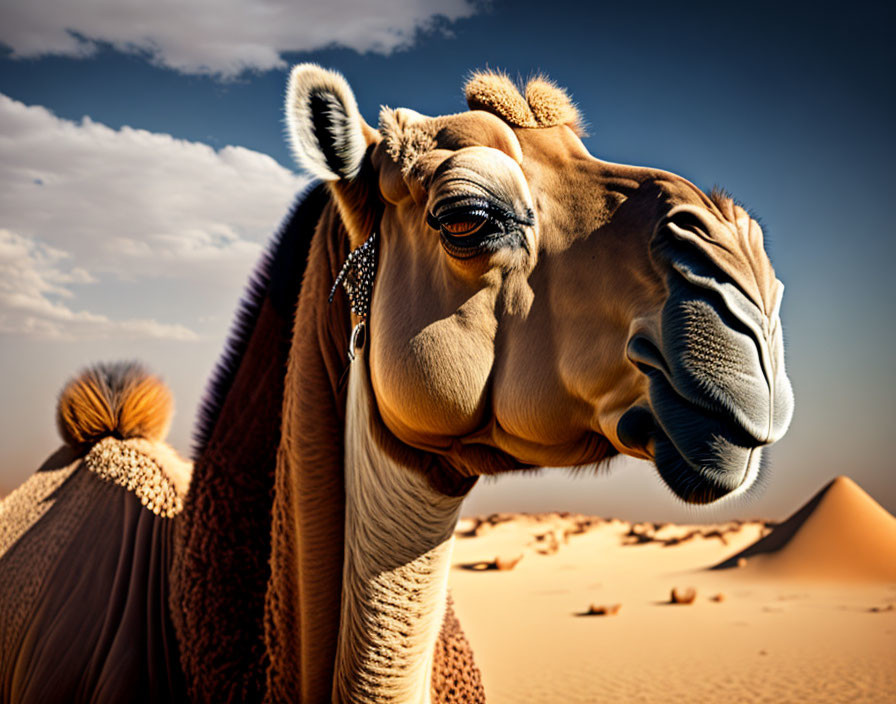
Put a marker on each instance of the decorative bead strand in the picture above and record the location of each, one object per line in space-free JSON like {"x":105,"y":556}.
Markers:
{"x":356,"y":276}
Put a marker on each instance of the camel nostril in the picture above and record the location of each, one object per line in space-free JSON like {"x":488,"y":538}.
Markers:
{"x":636,"y":427}
{"x":645,"y":354}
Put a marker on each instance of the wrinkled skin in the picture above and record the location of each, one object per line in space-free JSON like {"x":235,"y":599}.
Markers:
{"x":616,"y":304}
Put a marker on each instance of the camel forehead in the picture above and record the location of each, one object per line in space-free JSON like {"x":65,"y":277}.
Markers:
{"x":498,"y":109}
{"x":409,"y":137}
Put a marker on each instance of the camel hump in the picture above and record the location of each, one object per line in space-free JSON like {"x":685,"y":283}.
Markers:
{"x":120,"y":400}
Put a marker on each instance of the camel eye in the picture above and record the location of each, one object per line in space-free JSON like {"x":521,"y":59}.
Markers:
{"x":468,"y":227}
{"x":463,"y":228}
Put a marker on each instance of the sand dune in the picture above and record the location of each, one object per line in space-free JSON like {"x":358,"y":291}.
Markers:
{"x":841,"y":533}
{"x":586,"y":615}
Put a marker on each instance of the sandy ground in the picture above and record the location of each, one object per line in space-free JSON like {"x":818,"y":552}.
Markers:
{"x":800,"y":638}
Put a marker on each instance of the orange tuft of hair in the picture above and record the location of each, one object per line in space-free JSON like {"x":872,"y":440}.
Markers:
{"x":120,"y":399}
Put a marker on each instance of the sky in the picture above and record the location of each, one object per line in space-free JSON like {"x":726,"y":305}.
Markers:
{"x":143,"y":166}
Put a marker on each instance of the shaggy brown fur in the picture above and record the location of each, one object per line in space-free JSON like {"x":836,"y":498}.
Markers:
{"x":121,"y":400}
{"x":222,"y":567}
{"x":304,"y":594}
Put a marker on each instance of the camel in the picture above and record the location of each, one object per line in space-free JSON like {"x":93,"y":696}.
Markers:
{"x":459,"y":296}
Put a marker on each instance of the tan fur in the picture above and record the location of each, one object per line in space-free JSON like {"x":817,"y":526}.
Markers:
{"x":496,"y":93}
{"x":541,"y":103}
{"x":551,"y":105}
{"x":406,"y":135}
{"x":120,"y":400}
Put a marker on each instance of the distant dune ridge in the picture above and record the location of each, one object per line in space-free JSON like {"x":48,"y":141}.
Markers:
{"x":841,"y":533}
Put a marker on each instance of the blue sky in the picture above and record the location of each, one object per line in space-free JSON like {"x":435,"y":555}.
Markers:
{"x":143,"y":165}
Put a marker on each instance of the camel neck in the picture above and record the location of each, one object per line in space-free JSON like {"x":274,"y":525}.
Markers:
{"x":398,"y":543}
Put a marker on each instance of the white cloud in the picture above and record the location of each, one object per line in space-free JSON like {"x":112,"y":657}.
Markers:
{"x":81,"y":204}
{"x":223,"y":37}
{"x":33,"y":277}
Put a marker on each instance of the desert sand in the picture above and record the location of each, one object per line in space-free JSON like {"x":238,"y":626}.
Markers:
{"x":804,"y":611}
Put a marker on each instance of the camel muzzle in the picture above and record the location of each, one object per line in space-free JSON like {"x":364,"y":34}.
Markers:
{"x":718,"y":391}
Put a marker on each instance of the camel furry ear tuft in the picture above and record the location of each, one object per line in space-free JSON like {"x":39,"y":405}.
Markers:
{"x":545,"y":104}
{"x":120,"y":400}
{"x":552,"y":106}
{"x":327,"y":134}
{"x":496,"y":93}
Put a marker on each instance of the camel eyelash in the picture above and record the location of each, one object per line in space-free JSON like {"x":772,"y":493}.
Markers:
{"x":471,"y":226}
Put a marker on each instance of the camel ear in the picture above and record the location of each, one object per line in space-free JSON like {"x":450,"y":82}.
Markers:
{"x":327,"y":134}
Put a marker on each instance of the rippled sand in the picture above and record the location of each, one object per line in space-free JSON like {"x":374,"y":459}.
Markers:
{"x":807,"y":616}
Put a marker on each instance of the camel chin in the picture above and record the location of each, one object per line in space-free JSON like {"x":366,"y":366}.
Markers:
{"x":719,"y":462}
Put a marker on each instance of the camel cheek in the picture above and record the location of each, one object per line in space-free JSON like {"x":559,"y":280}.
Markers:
{"x":431,"y":387}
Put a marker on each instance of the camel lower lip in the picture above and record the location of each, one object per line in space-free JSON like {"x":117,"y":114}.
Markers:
{"x":701,"y":456}
{"x":705,"y":483}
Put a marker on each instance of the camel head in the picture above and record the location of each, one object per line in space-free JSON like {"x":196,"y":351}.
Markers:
{"x":536,"y":306}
